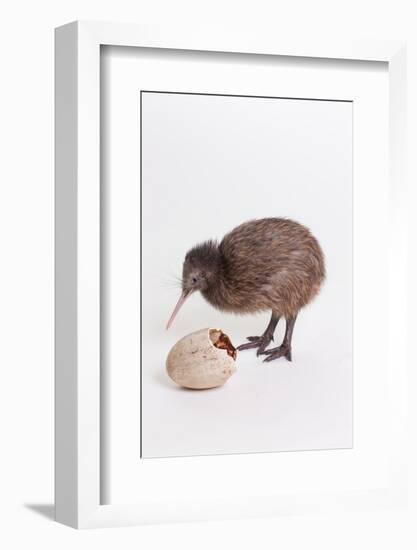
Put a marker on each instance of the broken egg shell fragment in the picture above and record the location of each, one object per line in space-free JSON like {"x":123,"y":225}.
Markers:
{"x":196,"y":362}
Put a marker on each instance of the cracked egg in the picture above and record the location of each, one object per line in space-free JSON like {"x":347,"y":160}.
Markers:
{"x":202,"y":360}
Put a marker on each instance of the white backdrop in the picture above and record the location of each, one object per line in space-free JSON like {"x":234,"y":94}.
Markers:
{"x":208,"y":164}
{"x":26,"y":222}
{"x":125,"y":478}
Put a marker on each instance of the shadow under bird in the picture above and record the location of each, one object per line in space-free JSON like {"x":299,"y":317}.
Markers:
{"x":271,"y":264}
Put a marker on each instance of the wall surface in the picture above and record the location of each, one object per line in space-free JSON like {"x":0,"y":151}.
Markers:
{"x":26,"y":274}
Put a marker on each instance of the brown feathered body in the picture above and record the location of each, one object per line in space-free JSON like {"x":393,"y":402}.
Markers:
{"x":268,"y":264}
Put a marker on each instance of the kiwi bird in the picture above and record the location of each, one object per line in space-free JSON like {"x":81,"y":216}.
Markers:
{"x":271,"y":264}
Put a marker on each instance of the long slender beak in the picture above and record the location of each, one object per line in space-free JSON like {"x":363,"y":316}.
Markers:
{"x":180,"y":303}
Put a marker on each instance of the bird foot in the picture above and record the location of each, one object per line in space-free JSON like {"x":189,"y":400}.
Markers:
{"x":275,"y":353}
{"x":260,"y":342}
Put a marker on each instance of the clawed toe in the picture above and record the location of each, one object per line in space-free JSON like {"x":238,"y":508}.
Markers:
{"x":251,"y":345}
{"x":261,"y":342}
{"x":268,"y":351}
{"x":263,"y":347}
{"x":276,"y":353}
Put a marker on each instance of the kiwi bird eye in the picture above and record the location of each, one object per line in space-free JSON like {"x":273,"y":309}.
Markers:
{"x":194,"y":280}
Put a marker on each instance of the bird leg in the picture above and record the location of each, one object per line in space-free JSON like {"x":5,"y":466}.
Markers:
{"x":262,"y":342}
{"x":284,"y":350}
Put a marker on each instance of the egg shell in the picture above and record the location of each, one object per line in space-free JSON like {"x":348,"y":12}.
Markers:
{"x":195,"y":362}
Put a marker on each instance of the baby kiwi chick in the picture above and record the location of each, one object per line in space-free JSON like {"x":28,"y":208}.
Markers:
{"x":269,"y":264}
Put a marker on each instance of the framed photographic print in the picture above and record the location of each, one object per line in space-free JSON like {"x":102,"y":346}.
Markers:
{"x":229,"y":217}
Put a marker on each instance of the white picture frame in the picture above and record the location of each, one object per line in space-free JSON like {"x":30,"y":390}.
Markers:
{"x":77,"y":420}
